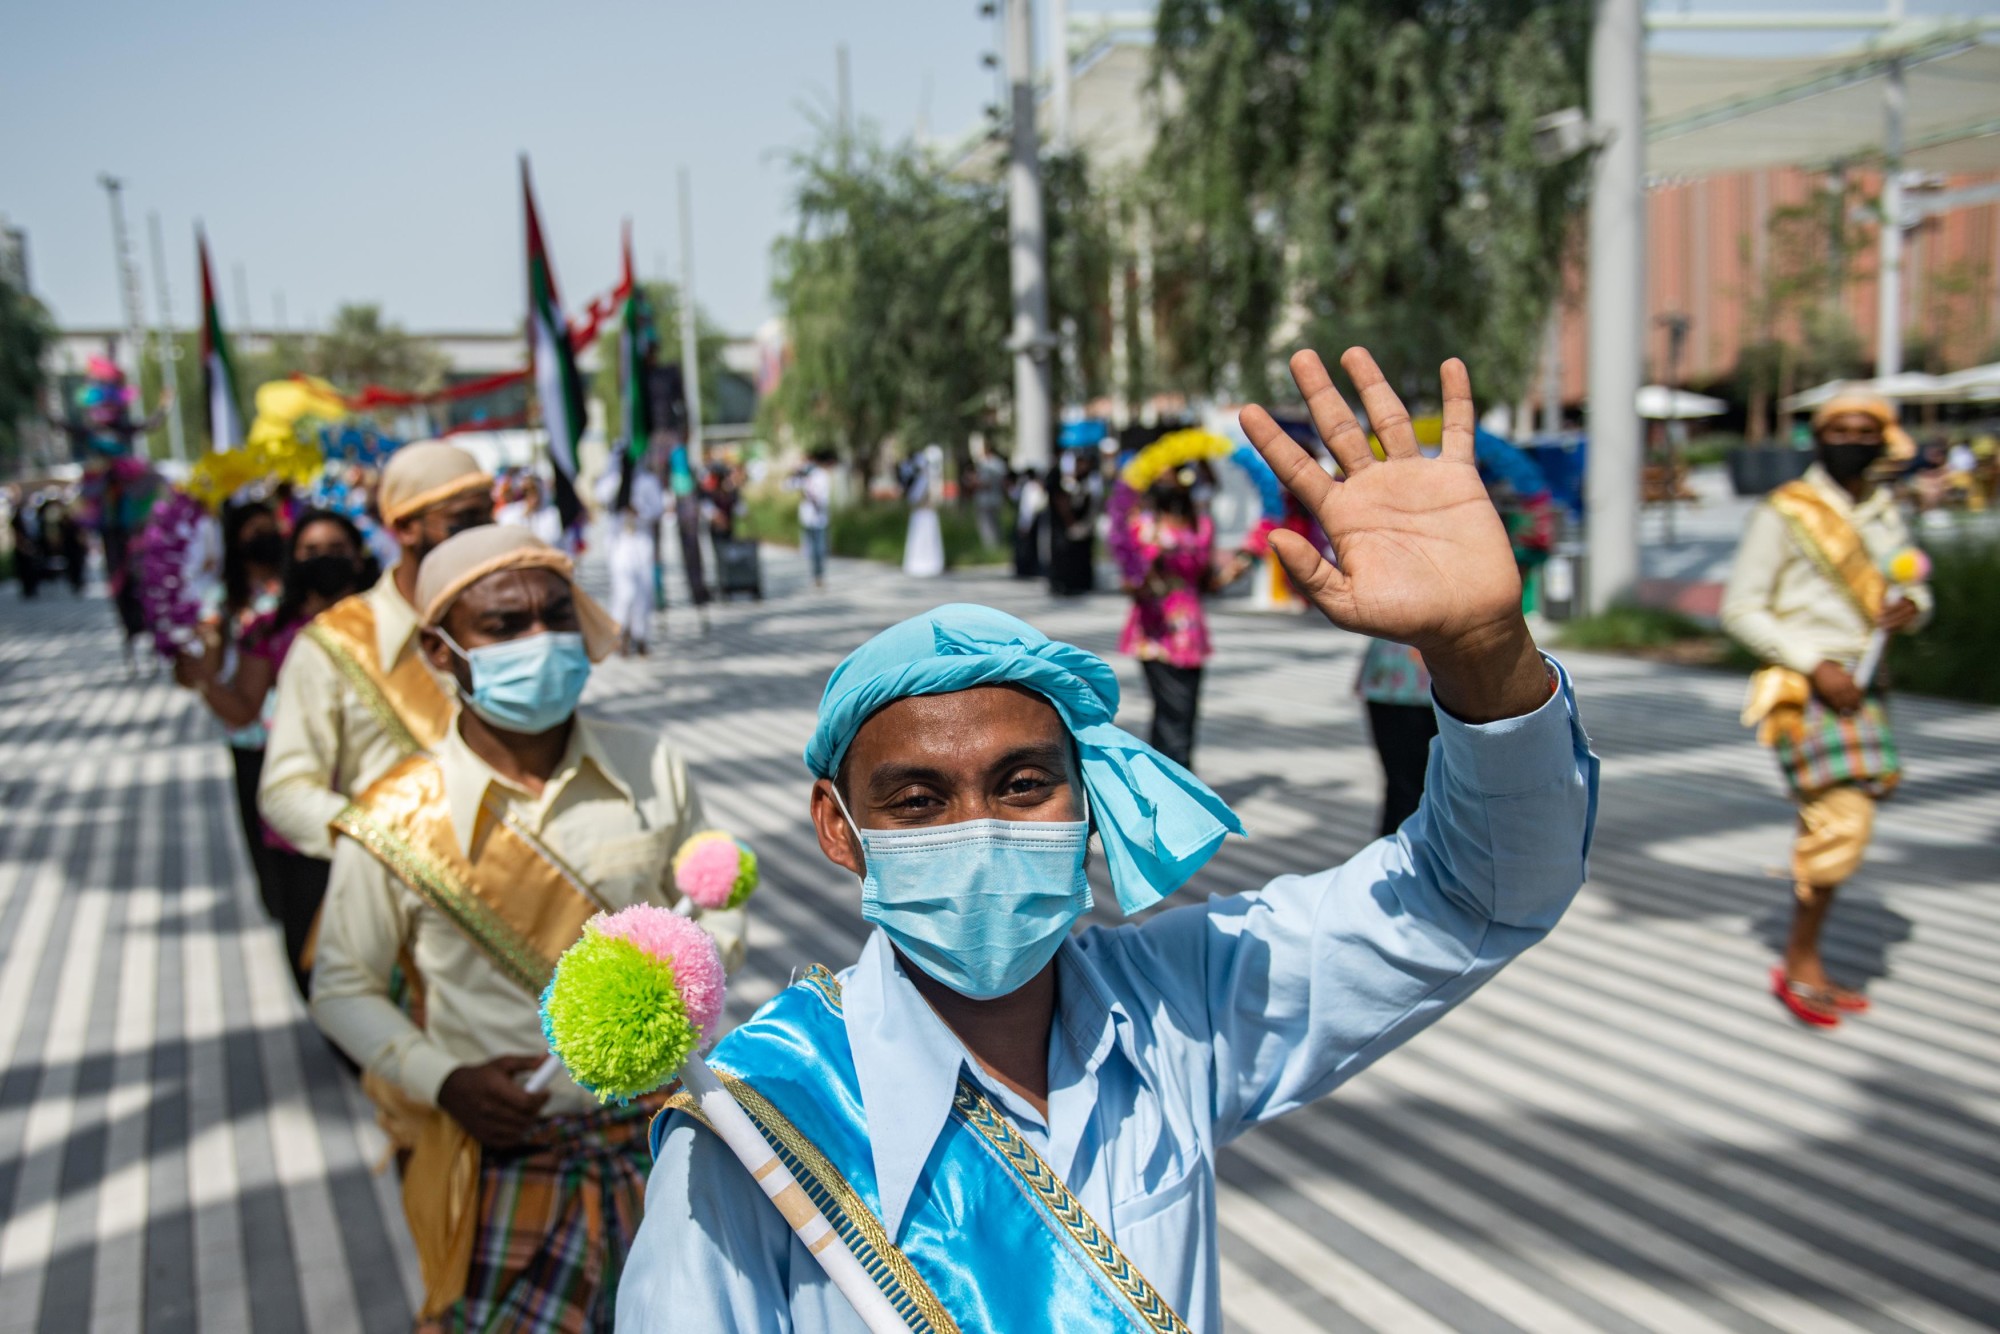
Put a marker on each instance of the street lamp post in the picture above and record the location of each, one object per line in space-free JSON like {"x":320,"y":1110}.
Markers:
{"x":128,"y":285}
{"x":1027,"y":250}
{"x":1617,"y":299}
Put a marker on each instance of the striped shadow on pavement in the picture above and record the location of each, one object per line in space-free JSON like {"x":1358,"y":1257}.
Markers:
{"x":1622,"y":1133}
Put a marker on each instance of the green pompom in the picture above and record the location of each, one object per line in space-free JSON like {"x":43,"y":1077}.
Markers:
{"x":746,"y":875}
{"x":614,"y":1015}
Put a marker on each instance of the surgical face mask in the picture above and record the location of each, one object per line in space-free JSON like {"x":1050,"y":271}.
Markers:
{"x":525,"y":685}
{"x":981,"y":905}
{"x":1845,"y":462}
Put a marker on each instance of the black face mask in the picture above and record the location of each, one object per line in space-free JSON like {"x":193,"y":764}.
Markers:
{"x":263,"y":549}
{"x":328,"y":576}
{"x":1844,"y":463}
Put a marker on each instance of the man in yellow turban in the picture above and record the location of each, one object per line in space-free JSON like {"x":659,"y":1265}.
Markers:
{"x":1810,"y":588}
{"x":355,"y":695}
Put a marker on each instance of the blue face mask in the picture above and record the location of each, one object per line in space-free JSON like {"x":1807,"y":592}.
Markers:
{"x":981,"y":905}
{"x":525,"y":685}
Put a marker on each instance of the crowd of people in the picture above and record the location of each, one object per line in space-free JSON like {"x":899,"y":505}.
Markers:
{"x":988,"y":1101}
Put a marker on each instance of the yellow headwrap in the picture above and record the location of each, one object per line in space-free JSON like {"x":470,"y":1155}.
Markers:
{"x":422,"y":475}
{"x":459,"y":562}
{"x":1901,"y":446}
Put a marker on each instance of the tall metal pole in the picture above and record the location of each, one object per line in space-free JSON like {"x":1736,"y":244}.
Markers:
{"x":1889,"y":311}
{"x":690,"y":345}
{"x":1617,"y":298}
{"x":844,"y":93}
{"x":128,"y":284}
{"x":1033,"y":414}
{"x":1552,"y":373}
{"x":1059,"y":73}
{"x":168,"y":352}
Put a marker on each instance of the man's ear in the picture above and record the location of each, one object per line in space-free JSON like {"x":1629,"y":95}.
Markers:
{"x":409,"y":531}
{"x":436,"y":652}
{"x":836,"y":837}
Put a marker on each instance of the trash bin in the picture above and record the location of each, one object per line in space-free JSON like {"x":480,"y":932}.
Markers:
{"x":1562,"y":582}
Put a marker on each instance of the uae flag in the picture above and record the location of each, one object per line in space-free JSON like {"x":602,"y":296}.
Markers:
{"x":218,"y":367}
{"x":635,"y":348}
{"x":557,"y":384}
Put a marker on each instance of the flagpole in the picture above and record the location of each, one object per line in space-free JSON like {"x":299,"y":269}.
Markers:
{"x":690,"y":348}
{"x":169,"y":352}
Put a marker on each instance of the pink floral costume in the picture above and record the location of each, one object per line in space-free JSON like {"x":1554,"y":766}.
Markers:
{"x":1170,"y":628}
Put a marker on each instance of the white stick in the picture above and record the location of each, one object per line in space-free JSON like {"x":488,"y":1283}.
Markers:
{"x":545,"y":1074}
{"x":685,"y":908}
{"x":1878,"y":643}
{"x":737,"y":1130}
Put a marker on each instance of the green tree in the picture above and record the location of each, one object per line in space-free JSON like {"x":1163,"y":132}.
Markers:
{"x":359,"y":347}
{"x":1803,"y":335}
{"x":895,"y":290}
{"x":1362,"y":171}
{"x":25,"y":334}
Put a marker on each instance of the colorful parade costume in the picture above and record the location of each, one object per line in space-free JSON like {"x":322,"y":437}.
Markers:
{"x":1171,"y":1036}
{"x":471,"y":888}
{"x":1806,"y":588}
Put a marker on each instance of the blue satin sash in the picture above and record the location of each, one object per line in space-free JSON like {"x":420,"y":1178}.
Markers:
{"x":992,"y":1241}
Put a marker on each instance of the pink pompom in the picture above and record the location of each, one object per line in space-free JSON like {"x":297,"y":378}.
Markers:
{"x":696,"y":963}
{"x":706,"y":869}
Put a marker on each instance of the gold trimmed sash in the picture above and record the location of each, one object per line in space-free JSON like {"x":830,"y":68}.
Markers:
{"x":1832,"y":544}
{"x":857,"y":1223}
{"x":516,"y":902}
{"x":407,"y":701}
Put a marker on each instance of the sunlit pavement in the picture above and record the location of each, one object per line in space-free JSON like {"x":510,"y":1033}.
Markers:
{"x":1624,"y":1132}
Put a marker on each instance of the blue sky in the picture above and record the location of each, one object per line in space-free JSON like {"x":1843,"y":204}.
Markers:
{"x":366,"y":150}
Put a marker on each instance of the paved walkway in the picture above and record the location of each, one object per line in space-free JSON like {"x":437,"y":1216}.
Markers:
{"x":1622,"y":1133}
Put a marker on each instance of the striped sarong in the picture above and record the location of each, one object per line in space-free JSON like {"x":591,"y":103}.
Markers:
{"x":556,"y":1218}
{"x":1829,"y":749}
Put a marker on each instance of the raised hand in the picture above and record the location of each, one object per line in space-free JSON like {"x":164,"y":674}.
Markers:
{"x":1420,"y":555}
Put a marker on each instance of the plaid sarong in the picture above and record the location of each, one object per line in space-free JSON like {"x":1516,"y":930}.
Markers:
{"x":556,"y":1218}
{"x":1830,"y":749}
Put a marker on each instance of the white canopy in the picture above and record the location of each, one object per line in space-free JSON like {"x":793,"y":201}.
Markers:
{"x":1659,"y":403}
{"x":1713,"y":114}
{"x":1911,"y":386}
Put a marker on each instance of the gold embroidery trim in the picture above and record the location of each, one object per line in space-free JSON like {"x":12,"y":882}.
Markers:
{"x":547,"y":854}
{"x":1833,"y":545}
{"x":439,"y":887}
{"x":971,"y":1106}
{"x":365,"y":686}
{"x":837,"y":1201}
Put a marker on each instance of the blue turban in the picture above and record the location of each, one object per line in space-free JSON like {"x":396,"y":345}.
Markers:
{"x":1158,"y":823}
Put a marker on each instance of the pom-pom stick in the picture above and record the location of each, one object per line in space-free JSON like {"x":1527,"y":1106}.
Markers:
{"x":714,"y":870}
{"x":630,"y":1005}
{"x":1908,"y":566}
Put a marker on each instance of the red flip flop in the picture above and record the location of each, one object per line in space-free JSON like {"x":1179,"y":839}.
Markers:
{"x":1848,"y":1002}
{"x":1801,"y":1000}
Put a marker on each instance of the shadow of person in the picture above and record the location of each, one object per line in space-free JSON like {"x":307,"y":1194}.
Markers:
{"x":1860,"y":929}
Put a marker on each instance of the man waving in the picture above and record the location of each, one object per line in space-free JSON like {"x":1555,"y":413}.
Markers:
{"x":1016,"y":1126}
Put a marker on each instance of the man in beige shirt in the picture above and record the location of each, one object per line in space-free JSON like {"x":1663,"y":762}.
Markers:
{"x":1807,"y":592}
{"x":330,"y":735}
{"x":472,"y":869}
{"x":354,"y":696}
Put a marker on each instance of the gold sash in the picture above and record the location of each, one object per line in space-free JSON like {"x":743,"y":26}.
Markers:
{"x":1778,"y":696}
{"x":522,"y":907}
{"x":1831,"y":543}
{"x":407,"y":702}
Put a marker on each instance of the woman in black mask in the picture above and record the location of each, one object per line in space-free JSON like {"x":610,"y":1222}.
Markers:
{"x":325,"y":561}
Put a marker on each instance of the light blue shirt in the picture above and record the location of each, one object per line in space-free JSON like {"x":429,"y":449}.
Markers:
{"x":1172,"y":1037}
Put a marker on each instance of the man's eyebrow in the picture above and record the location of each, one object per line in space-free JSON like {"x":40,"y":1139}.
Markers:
{"x":889,"y":777}
{"x":1048,"y":754}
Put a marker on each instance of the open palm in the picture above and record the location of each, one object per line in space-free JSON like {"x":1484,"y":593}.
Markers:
{"x":1420,"y":555}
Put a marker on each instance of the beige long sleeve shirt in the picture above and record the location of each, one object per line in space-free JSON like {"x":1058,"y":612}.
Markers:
{"x":326,"y":744}
{"x":616,"y":810}
{"x":1783,"y":607}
